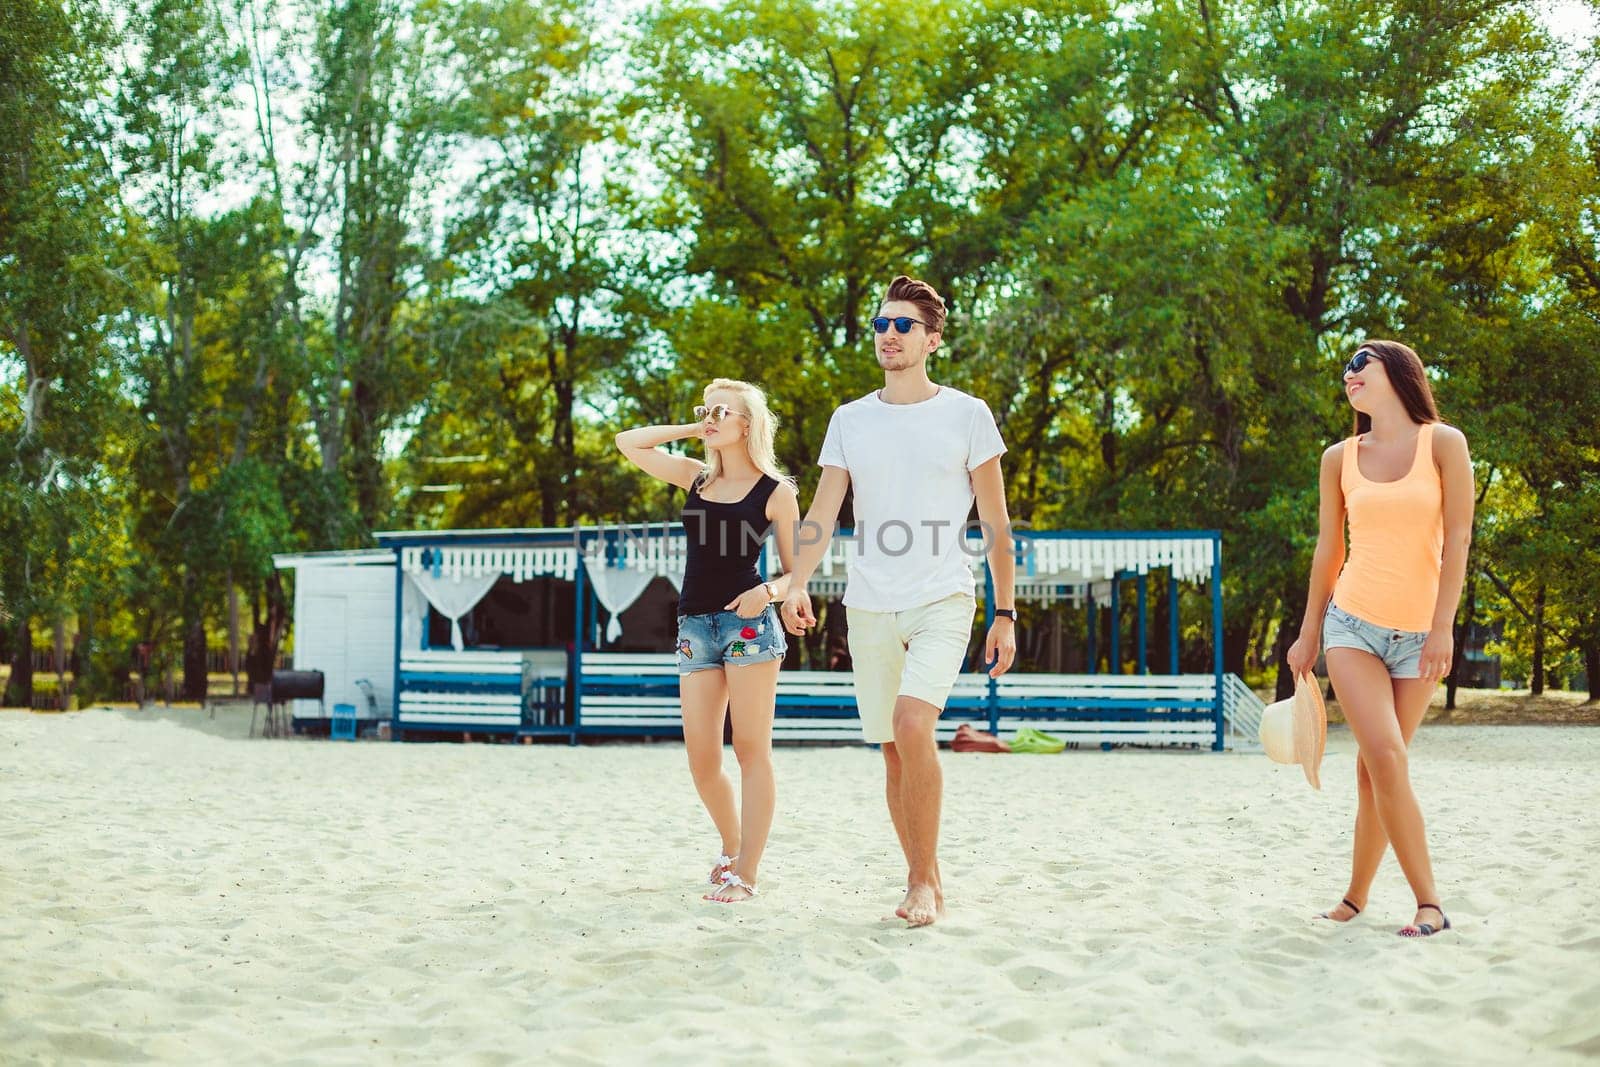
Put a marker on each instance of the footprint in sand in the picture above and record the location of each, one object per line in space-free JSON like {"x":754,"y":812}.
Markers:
{"x":1031,"y":978}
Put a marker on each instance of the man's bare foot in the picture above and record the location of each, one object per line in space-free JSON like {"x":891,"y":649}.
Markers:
{"x":921,"y":906}
{"x":733,"y":891}
{"x":938,"y":903}
{"x":1343,"y":912}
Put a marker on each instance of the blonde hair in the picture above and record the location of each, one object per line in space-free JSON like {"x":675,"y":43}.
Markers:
{"x":763,"y":432}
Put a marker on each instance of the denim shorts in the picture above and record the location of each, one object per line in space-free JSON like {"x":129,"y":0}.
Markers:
{"x":723,"y":638}
{"x":1400,"y":650}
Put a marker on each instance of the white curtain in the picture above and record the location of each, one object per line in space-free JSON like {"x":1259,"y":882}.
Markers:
{"x":617,"y":588}
{"x":413,"y":613}
{"x":454,"y":597}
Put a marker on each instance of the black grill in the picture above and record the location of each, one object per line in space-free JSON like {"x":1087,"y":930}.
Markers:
{"x":296,"y":685}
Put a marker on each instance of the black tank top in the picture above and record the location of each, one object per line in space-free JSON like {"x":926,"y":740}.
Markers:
{"x":724,"y":543}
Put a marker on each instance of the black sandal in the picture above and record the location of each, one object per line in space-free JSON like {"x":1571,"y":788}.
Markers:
{"x":1428,"y":929}
{"x":1346,"y":902}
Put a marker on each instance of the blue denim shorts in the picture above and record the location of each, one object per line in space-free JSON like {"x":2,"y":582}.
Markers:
{"x":1400,"y":650}
{"x":722,"y":638}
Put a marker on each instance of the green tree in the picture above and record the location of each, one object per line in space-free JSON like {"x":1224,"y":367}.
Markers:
{"x":535,"y":299}
{"x":179,"y":74}
{"x":809,"y":153}
{"x":58,"y":285}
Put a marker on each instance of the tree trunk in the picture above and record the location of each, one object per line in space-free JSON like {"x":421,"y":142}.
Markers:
{"x":565,"y":434}
{"x":1235,"y":643}
{"x":1288,"y":632}
{"x":87,"y":680}
{"x":195,"y":682}
{"x":58,"y":660}
{"x":19,"y":690}
{"x":1536,"y":683}
{"x":233,"y":632}
{"x":364,"y":458}
{"x":267,"y":632}
{"x":1463,"y":633}
{"x":194,"y":640}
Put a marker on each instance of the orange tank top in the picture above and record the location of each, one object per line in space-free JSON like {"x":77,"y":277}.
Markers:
{"x":1391,"y":577}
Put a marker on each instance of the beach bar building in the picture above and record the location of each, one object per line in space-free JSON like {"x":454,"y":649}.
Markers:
{"x":569,"y":632}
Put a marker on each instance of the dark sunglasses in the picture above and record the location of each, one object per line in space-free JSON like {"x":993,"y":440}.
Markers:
{"x":1359,"y":361}
{"x":716,"y":412}
{"x":902,"y":324}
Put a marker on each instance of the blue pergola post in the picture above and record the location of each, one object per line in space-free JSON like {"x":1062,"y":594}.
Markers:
{"x":1094,"y":652}
{"x":1216,"y":632}
{"x":597,"y":633}
{"x":575,"y":671}
{"x":1144,"y":611}
{"x":427,"y":618}
{"x":399,"y":620}
{"x":1172,"y":618}
{"x":1116,"y":624}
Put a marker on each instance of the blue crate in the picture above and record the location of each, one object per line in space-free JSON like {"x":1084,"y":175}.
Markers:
{"x":343,"y":725}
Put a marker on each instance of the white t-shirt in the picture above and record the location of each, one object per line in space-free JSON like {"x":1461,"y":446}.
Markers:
{"x":911,"y":468}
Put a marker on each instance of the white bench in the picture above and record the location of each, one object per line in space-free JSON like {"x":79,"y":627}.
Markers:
{"x":442,"y":689}
{"x":1112,"y":709}
{"x":630,"y":692}
{"x":637,"y":693}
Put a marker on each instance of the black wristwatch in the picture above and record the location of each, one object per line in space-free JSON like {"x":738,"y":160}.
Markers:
{"x":1009,"y":613}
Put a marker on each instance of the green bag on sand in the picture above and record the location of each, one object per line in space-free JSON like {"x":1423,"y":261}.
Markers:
{"x":1030,"y":740}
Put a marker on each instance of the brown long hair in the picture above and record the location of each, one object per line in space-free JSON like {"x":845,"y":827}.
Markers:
{"x":1410,"y":382}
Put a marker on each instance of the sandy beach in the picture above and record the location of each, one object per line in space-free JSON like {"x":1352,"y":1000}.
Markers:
{"x":173,"y":892}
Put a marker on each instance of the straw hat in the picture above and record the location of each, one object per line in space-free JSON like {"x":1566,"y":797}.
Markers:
{"x":1296,"y":730}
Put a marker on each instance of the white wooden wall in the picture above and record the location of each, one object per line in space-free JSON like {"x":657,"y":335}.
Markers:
{"x":344,"y":627}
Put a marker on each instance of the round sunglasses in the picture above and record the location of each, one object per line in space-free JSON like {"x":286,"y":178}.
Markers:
{"x":1359,"y":361}
{"x":902,"y":324}
{"x":716,"y":412}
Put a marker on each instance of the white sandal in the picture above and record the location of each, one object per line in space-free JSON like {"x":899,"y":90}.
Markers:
{"x":731,"y":879}
{"x":724,"y":867}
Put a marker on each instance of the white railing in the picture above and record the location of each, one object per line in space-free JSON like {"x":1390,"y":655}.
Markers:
{"x":1241,"y":713}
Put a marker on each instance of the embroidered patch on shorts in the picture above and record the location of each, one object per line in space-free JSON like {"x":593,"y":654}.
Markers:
{"x":748,"y":633}
{"x":685,"y":649}
{"x":737,"y":649}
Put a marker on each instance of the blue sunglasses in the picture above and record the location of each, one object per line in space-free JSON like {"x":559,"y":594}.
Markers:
{"x":1359,"y":361}
{"x":902,"y":324}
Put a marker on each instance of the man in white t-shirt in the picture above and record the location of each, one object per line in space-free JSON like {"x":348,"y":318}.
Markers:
{"x":917,"y":455}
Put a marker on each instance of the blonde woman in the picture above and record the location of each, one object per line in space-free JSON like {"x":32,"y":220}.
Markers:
{"x":1403,"y":484}
{"x":730,"y":643}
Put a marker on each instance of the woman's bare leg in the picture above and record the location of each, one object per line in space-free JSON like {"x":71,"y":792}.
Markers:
{"x":1367,"y":695}
{"x":1411,"y":698}
{"x":705,"y":701}
{"x":752,"y":694}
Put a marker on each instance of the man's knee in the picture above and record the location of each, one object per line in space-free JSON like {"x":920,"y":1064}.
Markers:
{"x":914,"y":723}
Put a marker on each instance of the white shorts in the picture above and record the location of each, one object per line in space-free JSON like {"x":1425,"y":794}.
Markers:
{"x":916,"y":653}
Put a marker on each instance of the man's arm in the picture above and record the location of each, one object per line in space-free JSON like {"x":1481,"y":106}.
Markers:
{"x":811,"y":544}
{"x":989,"y":487}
